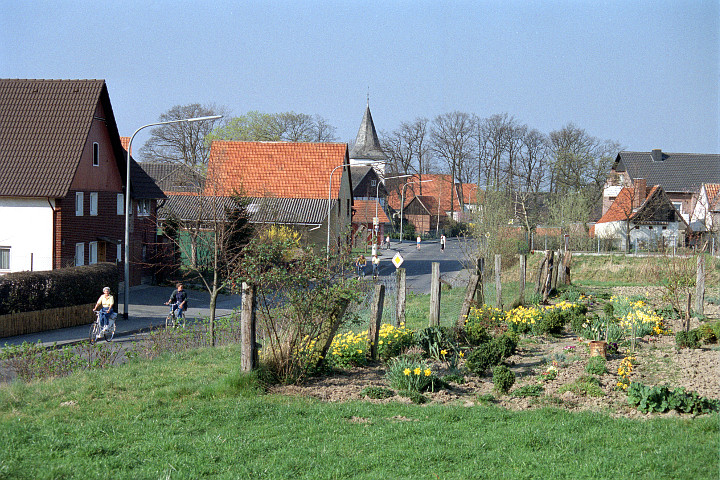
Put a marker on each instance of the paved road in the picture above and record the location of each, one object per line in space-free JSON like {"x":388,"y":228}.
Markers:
{"x":418,"y":263}
{"x":146,"y":302}
{"x":145,"y":310}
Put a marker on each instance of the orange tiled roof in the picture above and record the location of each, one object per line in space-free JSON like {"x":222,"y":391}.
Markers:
{"x":276,"y":169}
{"x":365,"y":211}
{"x":440,"y":187}
{"x":622,"y":206}
{"x":125,"y":142}
{"x":712,"y":190}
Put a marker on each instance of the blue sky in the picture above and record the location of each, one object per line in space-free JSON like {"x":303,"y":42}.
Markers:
{"x":644,"y":73}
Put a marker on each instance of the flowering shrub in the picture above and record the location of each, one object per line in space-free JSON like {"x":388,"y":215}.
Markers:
{"x":351,"y":349}
{"x":549,"y":374}
{"x":546,"y":319}
{"x":409,"y":374}
{"x":638,"y":314}
{"x":522,"y":320}
{"x":482,"y":321}
{"x":624,"y":371}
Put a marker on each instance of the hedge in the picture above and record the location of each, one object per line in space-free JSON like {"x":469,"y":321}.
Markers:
{"x":30,"y":291}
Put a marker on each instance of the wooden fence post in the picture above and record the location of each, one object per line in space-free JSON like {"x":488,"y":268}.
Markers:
{"x":248,"y":348}
{"x":498,"y":283}
{"x":523,"y":275}
{"x":480,"y":292}
{"x":700,"y":286}
{"x":375,"y":319}
{"x":467,"y":302}
{"x":541,"y":275}
{"x":556,"y":264}
{"x":549,"y":259}
{"x":561,"y":268}
{"x":435,"y":295}
{"x":567,"y":260}
{"x":400,"y":301}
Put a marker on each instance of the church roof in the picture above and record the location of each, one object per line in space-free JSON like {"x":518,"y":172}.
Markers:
{"x":367,"y":146}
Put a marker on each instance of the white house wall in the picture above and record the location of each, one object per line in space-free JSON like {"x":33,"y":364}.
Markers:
{"x":26,"y":226}
{"x":701,"y":221}
{"x":616,"y":230}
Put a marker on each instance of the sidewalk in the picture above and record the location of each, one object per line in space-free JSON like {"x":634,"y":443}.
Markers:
{"x":146,"y":308}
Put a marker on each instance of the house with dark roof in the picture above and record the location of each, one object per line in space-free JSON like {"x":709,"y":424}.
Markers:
{"x":305,"y":185}
{"x":643,"y":215}
{"x":64,"y":169}
{"x":681,"y":176}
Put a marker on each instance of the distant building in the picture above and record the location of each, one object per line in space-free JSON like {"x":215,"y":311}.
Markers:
{"x":367,"y":149}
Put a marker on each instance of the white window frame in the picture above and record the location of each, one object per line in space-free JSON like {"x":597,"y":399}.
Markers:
{"x":94,"y":203}
{"x":96,"y":154}
{"x":79,"y":254}
{"x":6,"y":267}
{"x":118,"y":255}
{"x":121,"y":204}
{"x":79,"y":204}
{"x":93,"y":253}
{"x":678,"y":206}
{"x":143,"y":207}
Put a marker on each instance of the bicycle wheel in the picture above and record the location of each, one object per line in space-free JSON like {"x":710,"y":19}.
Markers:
{"x":110,"y":332}
{"x":170,"y":320}
{"x":94,"y":329}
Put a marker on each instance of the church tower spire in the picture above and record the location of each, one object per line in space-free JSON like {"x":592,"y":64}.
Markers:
{"x":367,"y":147}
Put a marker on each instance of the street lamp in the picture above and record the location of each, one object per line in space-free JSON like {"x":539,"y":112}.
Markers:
{"x":402,"y":204}
{"x":372,"y":164}
{"x":127,"y":201}
{"x":377,"y":192}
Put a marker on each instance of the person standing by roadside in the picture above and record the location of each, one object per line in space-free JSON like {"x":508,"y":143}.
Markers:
{"x":387,"y":242}
{"x":418,"y":242}
{"x":105,"y":304}
{"x":375,"y":266}
{"x":442,"y":242}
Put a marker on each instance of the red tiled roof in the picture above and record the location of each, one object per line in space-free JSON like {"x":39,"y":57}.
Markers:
{"x":365,"y":211}
{"x":622,"y":207}
{"x":276,"y":169}
{"x":712,"y":190}
{"x":440,"y":187}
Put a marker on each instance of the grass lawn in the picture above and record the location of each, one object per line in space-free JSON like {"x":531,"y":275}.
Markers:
{"x":191,"y":416}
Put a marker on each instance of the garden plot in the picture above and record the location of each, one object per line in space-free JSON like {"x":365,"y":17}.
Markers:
{"x":550,"y":370}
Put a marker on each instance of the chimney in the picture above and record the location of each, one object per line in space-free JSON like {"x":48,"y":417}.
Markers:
{"x":657,"y":155}
{"x":640,"y":192}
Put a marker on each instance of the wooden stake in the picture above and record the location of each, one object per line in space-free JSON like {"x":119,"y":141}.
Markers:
{"x":400,"y":301}
{"x":467,"y":302}
{"x":248,"y":347}
{"x":375,"y":319}
{"x":435,"y":295}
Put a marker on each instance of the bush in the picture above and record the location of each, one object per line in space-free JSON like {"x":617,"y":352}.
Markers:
{"x":483,"y":358}
{"x":528,"y":391}
{"x":596,"y":366}
{"x":503,"y":379}
{"x":506,"y":344}
{"x":476,"y":334}
{"x":690,"y":339}
{"x":376,"y":393}
{"x":586,"y":385}
{"x":708,"y":332}
{"x":553,"y":322}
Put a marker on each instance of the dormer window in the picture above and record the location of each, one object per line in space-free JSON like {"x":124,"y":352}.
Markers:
{"x":96,"y":154}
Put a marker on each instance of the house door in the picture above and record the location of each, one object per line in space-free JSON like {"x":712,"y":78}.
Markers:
{"x":101,"y":251}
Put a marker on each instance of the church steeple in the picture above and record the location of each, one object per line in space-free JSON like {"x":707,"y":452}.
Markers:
{"x":367,"y":145}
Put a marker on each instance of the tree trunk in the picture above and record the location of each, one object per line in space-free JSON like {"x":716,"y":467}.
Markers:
{"x":480,"y":292}
{"x":467,"y":302}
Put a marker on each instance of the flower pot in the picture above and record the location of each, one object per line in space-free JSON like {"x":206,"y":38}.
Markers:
{"x":598,"y":348}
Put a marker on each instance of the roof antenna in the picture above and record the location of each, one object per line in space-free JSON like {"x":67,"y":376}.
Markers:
{"x":368,"y":97}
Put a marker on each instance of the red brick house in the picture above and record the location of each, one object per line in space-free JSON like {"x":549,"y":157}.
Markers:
{"x":62,"y":187}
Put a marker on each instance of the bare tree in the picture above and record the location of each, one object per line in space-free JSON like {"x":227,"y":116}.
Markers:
{"x":452,"y":141}
{"x":182,"y":142}
{"x":276,"y":127}
{"x":408,"y":148}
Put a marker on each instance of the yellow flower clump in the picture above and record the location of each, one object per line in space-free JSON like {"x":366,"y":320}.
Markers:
{"x":624,"y":371}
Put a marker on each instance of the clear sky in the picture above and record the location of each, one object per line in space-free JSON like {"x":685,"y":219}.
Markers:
{"x":644,"y":73}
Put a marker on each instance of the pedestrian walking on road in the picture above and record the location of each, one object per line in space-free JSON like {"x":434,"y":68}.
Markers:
{"x":418,"y":242}
{"x":375,"y":266}
{"x":442,"y":242}
{"x":387,"y":242}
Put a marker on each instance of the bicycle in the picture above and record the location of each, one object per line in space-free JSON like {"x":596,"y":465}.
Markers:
{"x":172,"y":319}
{"x":109,"y":332}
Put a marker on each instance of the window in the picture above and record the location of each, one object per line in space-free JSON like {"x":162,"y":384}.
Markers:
{"x":120,"y":204}
{"x":79,"y":254}
{"x":373,"y":183}
{"x":143,"y":207}
{"x":678,"y":206}
{"x":78,"y":204}
{"x":93,"y":246}
{"x":96,"y":155}
{"x":4,"y":258}
{"x":119,"y":252}
{"x":93,"y":203}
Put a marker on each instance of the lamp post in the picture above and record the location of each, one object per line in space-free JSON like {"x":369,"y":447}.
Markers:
{"x":126,"y":286}
{"x":377,"y":192}
{"x":402,"y":204}
{"x":330,"y":196}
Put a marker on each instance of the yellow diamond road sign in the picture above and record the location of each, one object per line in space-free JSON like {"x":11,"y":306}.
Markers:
{"x":397,"y":260}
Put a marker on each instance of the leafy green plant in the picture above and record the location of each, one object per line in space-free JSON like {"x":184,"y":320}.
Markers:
{"x":416,"y":397}
{"x":689,"y":339}
{"x":503,"y":379}
{"x":586,"y":385}
{"x":433,"y":340}
{"x":708,"y":332}
{"x":454,"y":377}
{"x":528,"y":391}
{"x":407,"y":373}
{"x":596,"y":366}
{"x":377,"y":393}
{"x":661,"y":398}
